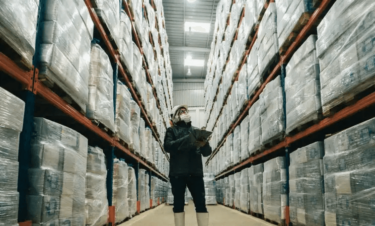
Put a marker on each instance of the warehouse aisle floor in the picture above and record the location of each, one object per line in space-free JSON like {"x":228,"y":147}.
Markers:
{"x":219,"y":216}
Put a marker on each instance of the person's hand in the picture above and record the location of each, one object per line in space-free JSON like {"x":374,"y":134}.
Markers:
{"x":200,"y":143}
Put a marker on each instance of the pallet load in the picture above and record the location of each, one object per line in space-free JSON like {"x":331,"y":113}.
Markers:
{"x":108,"y":12}
{"x":57,"y":175}
{"x":132,"y":192}
{"x":153,"y":186}
{"x":141,"y":135}
{"x":120,"y":190}
{"x":302,"y":87}
{"x":136,"y":11}
{"x":232,"y":189}
{"x":227,"y":191}
{"x":255,"y":128}
{"x":143,"y":189}
{"x":272,"y":112}
{"x":210,"y":188}
{"x":291,"y":17}
{"x":126,"y":42}
{"x":244,"y":191}
{"x":18,"y":29}
{"x":135,"y":116}
{"x":234,"y":18}
{"x":12,"y":112}
{"x":255,"y":174}
{"x":100,"y":106}
{"x":236,"y":144}
{"x":63,"y":50}
{"x":349,"y":176}
{"x":237,"y":192}
{"x":96,"y":190}
{"x":274,"y":190}
{"x":123,"y":113}
{"x":170,"y":198}
{"x":229,"y":149}
{"x":245,"y":139}
{"x":306,"y":195}
{"x":268,"y":46}
{"x":346,"y":53}
{"x":254,"y":79}
{"x":248,"y":23}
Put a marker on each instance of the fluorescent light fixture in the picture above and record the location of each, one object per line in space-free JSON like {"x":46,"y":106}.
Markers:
{"x":194,"y":63}
{"x":191,"y":1}
{"x":189,"y":72}
{"x":197,"y":27}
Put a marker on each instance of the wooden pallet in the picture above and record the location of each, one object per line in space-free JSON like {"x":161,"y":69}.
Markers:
{"x":263,"y":11}
{"x":273,"y":142}
{"x":349,"y":98}
{"x":270,"y":66}
{"x":302,"y":21}
{"x":257,"y":215}
{"x":305,"y":125}
{"x":282,"y":223}
{"x":10,"y":52}
{"x":103,"y":127}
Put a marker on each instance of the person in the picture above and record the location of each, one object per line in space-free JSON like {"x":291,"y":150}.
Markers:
{"x":186,"y":169}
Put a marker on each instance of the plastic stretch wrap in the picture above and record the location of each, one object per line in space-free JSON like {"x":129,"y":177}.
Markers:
{"x":100,"y":105}
{"x":229,"y":149}
{"x":259,"y":4}
{"x":222,"y":12}
{"x":255,"y":128}
{"x":126,"y":42}
{"x":109,"y":13}
{"x":248,"y":22}
{"x":306,"y":196}
{"x":96,"y":190}
{"x":288,"y":16}
{"x":123,"y":113}
{"x":255,"y":174}
{"x":135,"y":116}
{"x":349,"y":176}
{"x":18,"y":26}
{"x":268,"y":46}
{"x":253,"y":77}
{"x":302,"y":86}
{"x":244,"y":191}
{"x":9,"y":208}
{"x":57,"y":174}
{"x":120,"y":190}
{"x":274,"y":189}
{"x":142,"y":138}
{"x":231,"y":190}
{"x":148,"y":144}
{"x":236,"y":145}
{"x":237,"y":192}
{"x":137,"y":13}
{"x":242,"y":92}
{"x":346,"y":51}
{"x":132,"y":191}
{"x":234,"y":18}
{"x":210,"y":188}
{"x":137,"y":64}
{"x":12,"y":111}
{"x":63,"y":54}
{"x":271,"y":110}
{"x":244,"y":133}
{"x":170,"y":198}
{"x":143,"y":189}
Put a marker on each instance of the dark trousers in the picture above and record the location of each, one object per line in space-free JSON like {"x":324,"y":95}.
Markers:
{"x":196,"y":188}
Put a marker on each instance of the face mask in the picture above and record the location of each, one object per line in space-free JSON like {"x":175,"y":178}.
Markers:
{"x":185,"y":117}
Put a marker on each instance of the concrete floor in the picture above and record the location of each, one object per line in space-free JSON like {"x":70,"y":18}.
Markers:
{"x":219,"y":216}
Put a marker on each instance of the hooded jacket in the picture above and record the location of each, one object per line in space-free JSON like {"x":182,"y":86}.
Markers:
{"x":185,"y":157}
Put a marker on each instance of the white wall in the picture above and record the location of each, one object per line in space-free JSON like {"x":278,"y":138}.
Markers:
{"x":191,"y":94}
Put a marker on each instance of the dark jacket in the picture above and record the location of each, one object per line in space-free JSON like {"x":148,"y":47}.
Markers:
{"x":186,"y":159}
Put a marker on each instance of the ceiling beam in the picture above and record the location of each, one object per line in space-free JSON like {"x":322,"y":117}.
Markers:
{"x":189,"y":49}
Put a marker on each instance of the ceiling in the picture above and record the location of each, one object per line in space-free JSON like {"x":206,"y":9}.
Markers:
{"x":181,"y":43}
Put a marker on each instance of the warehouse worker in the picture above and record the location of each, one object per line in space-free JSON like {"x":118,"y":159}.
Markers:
{"x":186,"y":168}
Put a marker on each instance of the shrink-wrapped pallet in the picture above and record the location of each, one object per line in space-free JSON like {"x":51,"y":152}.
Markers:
{"x":148,"y":144}
{"x":236,"y":145}
{"x":302,"y":86}
{"x":291,"y":17}
{"x":120,"y":190}
{"x":271,"y":108}
{"x":100,"y":105}
{"x":245,"y":138}
{"x":229,"y":149}
{"x":63,"y":53}
{"x":57,"y":173}
{"x":255,"y":128}
{"x":244,"y":191}
{"x":253,"y":77}
{"x":268,"y":48}
{"x":143,"y":189}
{"x":132,"y":191}
{"x":96,"y":191}
{"x":126,"y":42}
{"x":11,"y":122}
{"x":123,"y":114}
{"x":248,"y":22}
{"x":274,"y":189}
{"x":306,"y":189}
{"x":18,"y":27}
{"x":210,"y":188}
{"x":349,"y":176}
{"x":109,"y":13}
{"x":255,"y":174}
{"x":135,"y":116}
{"x":346,"y":51}
{"x":137,"y":65}
{"x":234,"y":18}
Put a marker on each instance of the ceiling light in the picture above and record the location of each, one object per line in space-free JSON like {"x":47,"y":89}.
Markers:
{"x":189,"y":72}
{"x":191,"y":1}
{"x":194,"y":63}
{"x":197,"y":27}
